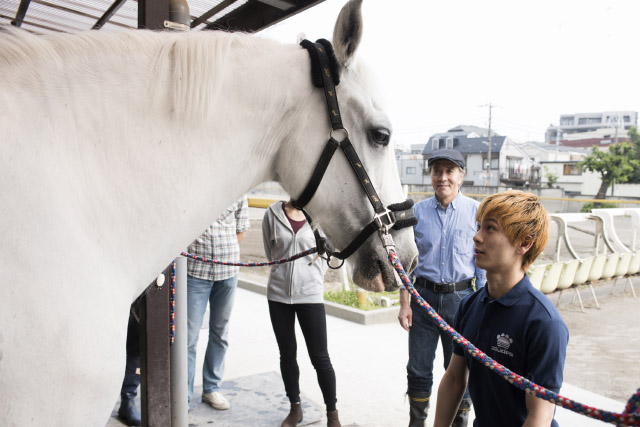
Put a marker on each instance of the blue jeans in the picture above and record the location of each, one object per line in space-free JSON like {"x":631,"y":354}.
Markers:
{"x":424,"y":335}
{"x":220,"y":296}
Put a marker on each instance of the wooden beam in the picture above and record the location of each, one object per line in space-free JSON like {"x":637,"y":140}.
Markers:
{"x":255,"y":16}
{"x":115,"y":6}
{"x":155,"y":388}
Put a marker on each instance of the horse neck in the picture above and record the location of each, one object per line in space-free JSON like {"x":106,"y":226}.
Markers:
{"x":142,"y":167}
{"x":230,"y":148}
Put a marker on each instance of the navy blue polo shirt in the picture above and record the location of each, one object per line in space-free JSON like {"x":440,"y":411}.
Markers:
{"x":523,"y":331}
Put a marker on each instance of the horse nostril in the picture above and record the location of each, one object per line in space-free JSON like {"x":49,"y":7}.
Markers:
{"x":413,"y":264}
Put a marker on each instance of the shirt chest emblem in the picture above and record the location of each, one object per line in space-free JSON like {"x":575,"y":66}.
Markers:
{"x":502,"y":344}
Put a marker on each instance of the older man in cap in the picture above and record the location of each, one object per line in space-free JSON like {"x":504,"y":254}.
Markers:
{"x":445,"y":274}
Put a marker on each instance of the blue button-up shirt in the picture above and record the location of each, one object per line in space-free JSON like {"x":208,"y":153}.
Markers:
{"x":445,"y":240}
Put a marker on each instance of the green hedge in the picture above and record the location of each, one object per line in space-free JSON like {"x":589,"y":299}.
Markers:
{"x":586,"y":208}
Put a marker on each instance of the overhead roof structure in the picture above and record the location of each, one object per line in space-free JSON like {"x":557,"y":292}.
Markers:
{"x":71,"y":16}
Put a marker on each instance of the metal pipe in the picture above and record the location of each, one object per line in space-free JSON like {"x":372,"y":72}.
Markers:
{"x":108,"y":14}
{"x":22,"y":11}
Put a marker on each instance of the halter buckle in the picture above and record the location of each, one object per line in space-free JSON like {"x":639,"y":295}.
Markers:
{"x":384,"y":221}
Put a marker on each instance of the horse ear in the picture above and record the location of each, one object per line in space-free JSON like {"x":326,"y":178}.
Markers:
{"x":348,"y":32}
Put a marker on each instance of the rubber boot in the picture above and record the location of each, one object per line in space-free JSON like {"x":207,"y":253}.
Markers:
{"x":128,"y":411}
{"x":332,"y":419}
{"x":418,"y":408}
{"x":462,"y":416}
{"x":294,"y":417}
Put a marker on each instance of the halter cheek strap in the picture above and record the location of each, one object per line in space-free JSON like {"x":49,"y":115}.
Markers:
{"x":324,"y":71}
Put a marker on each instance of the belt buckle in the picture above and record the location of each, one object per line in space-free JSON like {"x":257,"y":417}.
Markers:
{"x":442,"y":287}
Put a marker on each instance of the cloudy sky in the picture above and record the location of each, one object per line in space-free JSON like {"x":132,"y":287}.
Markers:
{"x":441,"y":62}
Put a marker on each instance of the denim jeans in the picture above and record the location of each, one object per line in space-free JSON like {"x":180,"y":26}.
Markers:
{"x":424,"y":335}
{"x":220,"y":296}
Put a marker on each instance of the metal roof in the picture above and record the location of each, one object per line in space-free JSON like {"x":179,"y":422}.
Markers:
{"x":471,"y":145}
{"x":70,"y":16}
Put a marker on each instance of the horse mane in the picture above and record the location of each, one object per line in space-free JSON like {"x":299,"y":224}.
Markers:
{"x":184,"y":71}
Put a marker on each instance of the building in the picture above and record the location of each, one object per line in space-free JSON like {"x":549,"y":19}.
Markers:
{"x":586,"y":129}
{"x":411,"y":168}
{"x":570,"y":177}
{"x":510,"y":165}
{"x":543,"y":152}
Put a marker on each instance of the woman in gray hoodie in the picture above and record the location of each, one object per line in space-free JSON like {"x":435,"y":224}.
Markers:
{"x":296,"y":289}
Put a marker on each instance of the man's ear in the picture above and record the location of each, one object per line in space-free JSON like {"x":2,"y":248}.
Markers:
{"x":525,"y":245}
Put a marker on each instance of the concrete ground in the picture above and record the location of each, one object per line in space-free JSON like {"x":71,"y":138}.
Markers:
{"x":370,"y":367}
{"x":601,"y":369}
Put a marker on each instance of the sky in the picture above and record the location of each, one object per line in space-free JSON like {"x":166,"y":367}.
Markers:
{"x":441,"y":63}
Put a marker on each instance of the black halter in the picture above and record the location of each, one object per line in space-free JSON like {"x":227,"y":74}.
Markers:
{"x":325,"y":74}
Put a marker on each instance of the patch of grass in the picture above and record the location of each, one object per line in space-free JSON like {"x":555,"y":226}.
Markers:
{"x":586,"y":208}
{"x":350,"y":298}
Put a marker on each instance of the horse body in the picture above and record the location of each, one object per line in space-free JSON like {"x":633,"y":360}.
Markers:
{"x":118,"y":150}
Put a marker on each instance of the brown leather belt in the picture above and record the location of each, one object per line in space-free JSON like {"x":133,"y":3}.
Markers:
{"x":443,"y":288}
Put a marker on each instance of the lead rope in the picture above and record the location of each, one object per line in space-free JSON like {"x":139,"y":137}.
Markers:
{"x":630,"y":416}
{"x":172,"y":301}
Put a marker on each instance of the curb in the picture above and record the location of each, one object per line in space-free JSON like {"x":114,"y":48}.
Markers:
{"x":370,"y":317}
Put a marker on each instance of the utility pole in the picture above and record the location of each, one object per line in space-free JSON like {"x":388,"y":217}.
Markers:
{"x":558,"y":132}
{"x":488,"y":180}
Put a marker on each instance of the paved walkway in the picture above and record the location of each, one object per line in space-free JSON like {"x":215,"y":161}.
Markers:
{"x":370,"y":362}
{"x":370,"y":368}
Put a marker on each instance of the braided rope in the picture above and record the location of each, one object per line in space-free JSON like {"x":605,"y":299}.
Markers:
{"x":253,"y":264}
{"x":630,"y":416}
{"x":172,"y":302}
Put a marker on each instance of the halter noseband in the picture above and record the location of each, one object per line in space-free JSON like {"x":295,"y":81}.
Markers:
{"x":325,"y":74}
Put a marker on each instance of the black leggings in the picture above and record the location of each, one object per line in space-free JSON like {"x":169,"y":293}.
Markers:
{"x":313,"y":323}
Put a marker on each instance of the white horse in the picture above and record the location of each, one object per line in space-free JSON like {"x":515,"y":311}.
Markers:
{"x":117,"y":150}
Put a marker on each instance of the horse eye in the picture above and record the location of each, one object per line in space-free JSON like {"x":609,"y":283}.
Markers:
{"x":381,"y":136}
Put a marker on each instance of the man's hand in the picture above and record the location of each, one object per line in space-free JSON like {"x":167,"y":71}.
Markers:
{"x":405,"y":316}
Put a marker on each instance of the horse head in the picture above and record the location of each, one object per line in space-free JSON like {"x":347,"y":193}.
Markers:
{"x":340,"y":206}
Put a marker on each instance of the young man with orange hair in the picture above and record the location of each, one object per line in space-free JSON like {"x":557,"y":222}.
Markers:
{"x":508,"y":319}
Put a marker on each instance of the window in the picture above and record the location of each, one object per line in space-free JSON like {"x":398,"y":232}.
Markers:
{"x":494,"y":162}
{"x":572,"y":169}
{"x":627,"y":119}
{"x":435,"y":143}
{"x":410,"y":170}
{"x":449,"y":143}
{"x":566,"y":121}
{"x":589,"y":120}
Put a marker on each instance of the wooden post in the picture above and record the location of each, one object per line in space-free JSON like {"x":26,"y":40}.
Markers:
{"x":155,"y":392}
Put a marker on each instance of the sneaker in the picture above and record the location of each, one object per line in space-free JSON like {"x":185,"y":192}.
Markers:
{"x":216,"y":400}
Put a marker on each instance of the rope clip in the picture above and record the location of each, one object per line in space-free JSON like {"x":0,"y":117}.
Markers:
{"x":387,"y":240}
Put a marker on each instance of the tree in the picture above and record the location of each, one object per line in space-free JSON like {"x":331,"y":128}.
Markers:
{"x":617,"y":164}
{"x":634,"y":138}
{"x":552,"y":178}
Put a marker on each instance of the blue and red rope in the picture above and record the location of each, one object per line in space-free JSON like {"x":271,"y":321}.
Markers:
{"x":629,"y":417}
